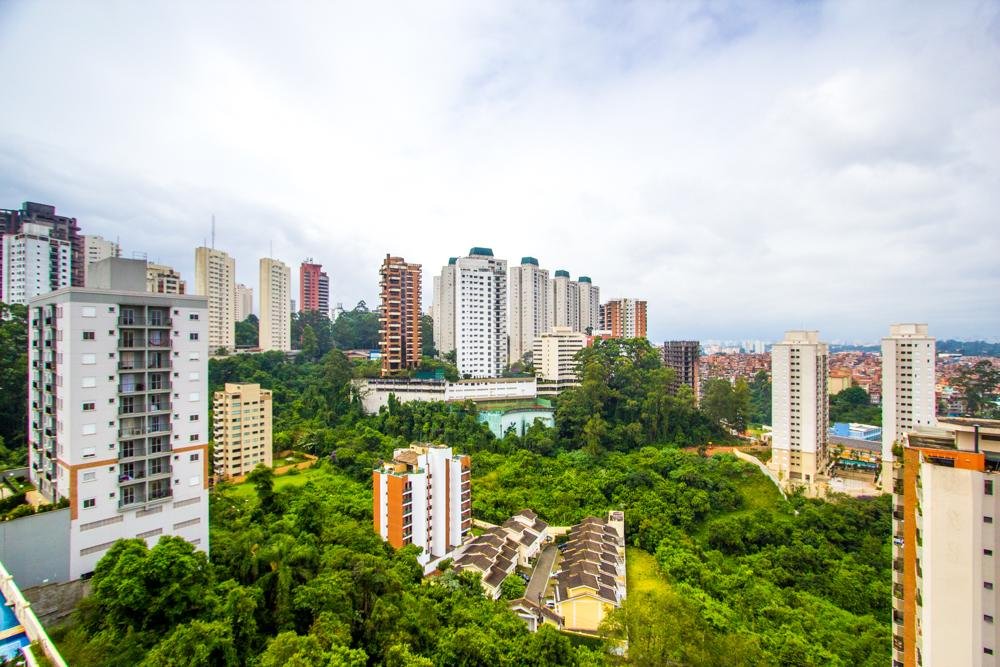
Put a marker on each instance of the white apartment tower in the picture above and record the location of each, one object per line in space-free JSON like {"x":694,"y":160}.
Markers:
{"x":799,"y":409}
{"x":908,"y":386}
{"x":529,"y":286}
{"x":34,"y":263}
{"x":423,"y":497}
{"x":564,"y":302}
{"x":554,"y":357}
{"x":215,"y":278}
{"x":96,"y":248}
{"x":243,"y":430}
{"x":117,"y":413}
{"x":244,"y":302}
{"x":481,"y":314}
{"x":443,"y":308}
{"x":590,"y":303}
{"x":275,"y":314}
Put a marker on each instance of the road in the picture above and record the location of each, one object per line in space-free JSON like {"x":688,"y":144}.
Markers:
{"x":540,"y":575}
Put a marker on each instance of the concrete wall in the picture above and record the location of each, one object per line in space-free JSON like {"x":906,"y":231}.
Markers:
{"x":54,"y":602}
{"x":35,"y":548}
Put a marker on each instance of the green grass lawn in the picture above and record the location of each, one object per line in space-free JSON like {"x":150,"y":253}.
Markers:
{"x":246,"y":490}
{"x":642,"y":573}
{"x":759,"y":492}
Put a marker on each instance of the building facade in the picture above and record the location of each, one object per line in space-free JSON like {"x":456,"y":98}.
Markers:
{"x":244,"y":302}
{"x":275,"y":314}
{"x":215,"y":278}
{"x":590,"y":304}
{"x":61,"y":228}
{"x":563,"y":302}
{"x":314,"y":288}
{"x":400,"y":334}
{"x":243,"y":430}
{"x":96,"y":248}
{"x":529,"y":287}
{"x":34,"y":263}
{"x":908,"y":385}
{"x":624,"y":318}
{"x":443,"y":308}
{"x":946,"y":502}
{"x":423,"y":497}
{"x":683,"y":356}
{"x":800,"y":413}
{"x":118,"y":424}
{"x":163,"y":279}
{"x":554,"y":358}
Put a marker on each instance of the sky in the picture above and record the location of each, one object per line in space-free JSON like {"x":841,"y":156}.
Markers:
{"x":746,"y":168}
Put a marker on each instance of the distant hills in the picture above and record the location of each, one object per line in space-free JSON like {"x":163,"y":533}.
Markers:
{"x":973,"y":348}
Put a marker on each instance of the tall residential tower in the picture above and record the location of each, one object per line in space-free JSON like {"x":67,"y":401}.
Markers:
{"x":529,"y":287}
{"x":275,"y":313}
{"x":314,"y":288}
{"x":400,"y":335}
{"x":215,"y":278}
{"x":908,"y":385}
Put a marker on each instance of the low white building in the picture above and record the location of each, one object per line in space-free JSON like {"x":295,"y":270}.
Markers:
{"x":374,"y":392}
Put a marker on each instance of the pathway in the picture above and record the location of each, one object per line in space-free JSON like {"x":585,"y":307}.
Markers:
{"x":540,"y":575}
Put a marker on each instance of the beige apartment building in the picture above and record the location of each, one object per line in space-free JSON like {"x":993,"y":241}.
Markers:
{"x":275,"y":297}
{"x":163,"y":279}
{"x":946,"y":505}
{"x":908,"y":386}
{"x":800,"y":410}
{"x":554,"y":358}
{"x":242,"y":414}
{"x":215,"y":278}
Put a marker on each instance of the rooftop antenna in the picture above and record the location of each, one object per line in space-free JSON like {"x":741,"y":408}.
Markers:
{"x":213,"y":231}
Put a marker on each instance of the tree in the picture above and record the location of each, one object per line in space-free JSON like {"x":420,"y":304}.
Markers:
{"x":718,"y":402}
{"x":247,"y":332}
{"x":310,"y":348}
{"x":512,"y":587}
{"x":262,"y":479}
{"x":356,"y":329}
{"x":427,"y":337}
{"x":195,"y":644}
{"x":854,"y":405}
{"x":760,"y":398}
{"x":13,"y":383}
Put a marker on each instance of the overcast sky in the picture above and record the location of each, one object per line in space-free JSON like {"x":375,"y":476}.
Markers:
{"x":746,"y":168}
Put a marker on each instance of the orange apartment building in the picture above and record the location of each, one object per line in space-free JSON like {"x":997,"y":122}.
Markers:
{"x":314,"y":288}
{"x":400,"y":336}
{"x":423,"y":497}
{"x":945,"y":572}
{"x":624,"y":318}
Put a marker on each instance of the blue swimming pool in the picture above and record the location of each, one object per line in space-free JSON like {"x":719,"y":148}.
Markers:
{"x":7,"y":618}
{"x":11,"y":647}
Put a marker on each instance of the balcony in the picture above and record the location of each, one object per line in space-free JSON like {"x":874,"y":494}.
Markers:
{"x":133,"y":365}
{"x":137,"y":388}
{"x":131,"y":432}
{"x":155,"y":472}
{"x":162,"y":386}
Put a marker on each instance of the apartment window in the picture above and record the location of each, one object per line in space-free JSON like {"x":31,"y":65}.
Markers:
{"x":987,"y":651}
{"x":987,"y":618}
{"x":193,"y":316}
{"x":88,"y":359}
{"x":194,"y":437}
{"x":194,"y":457}
{"x":987,"y":519}
{"x":193,"y":335}
{"x":194,"y":396}
{"x":89,"y":452}
{"x":88,"y":311}
{"x":988,"y":585}
{"x":987,"y":552}
{"x":195,"y":375}
{"x":89,"y":429}
{"x":88,"y":382}
{"x":193,"y":418}
{"x":988,"y":487}
{"x":88,"y":335}
{"x":194,"y":356}
{"x":89,"y":407}
{"x":89,"y":502}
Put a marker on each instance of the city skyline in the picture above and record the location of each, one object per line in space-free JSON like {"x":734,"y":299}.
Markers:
{"x":813,"y":173}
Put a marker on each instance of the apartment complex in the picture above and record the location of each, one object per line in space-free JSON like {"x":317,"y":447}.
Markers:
{"x":564,"y":302}
{"x":590,"y":581}
{"x":61,"y":228}
{"x":96,"y":248}
{"x":400,"y":335}
{"x":908,"y":386}
{"x":423,"y":497}
{"x":945,"y":573}
{"x":314,"y":288}
{"x":215,"y":278}
{"x":470,"y":302}
{"x":529,"y":314}
{"x":164,"y":279}
{"x":554,"y":358}
{"x":624,"y":318}
{"x":590,"y":304}
{"x":117,"y":383}
{"x":800,"y":413}
{"x":682,"y":357}
{"x":244,"y":302}
{"x":242,"y":423}
{"x":34,"y":262}
{"x":275,"y":313}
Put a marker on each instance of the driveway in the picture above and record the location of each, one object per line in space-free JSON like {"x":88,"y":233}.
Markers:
{"x":540,"y":575}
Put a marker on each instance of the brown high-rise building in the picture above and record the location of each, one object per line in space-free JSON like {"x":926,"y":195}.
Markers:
{"x":624,"y":318}
{"x":62,"y":228}
{"x":314,"y":288}
{"x":400,"y":315}
{"x":682,"y":357}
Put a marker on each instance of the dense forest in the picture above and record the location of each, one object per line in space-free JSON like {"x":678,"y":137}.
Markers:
{"x":738,"y":576}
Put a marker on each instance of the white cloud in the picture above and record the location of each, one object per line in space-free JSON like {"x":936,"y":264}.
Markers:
{"x":744,"y":167}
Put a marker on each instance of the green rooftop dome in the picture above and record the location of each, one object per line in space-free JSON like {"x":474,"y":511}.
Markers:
{"x":529,"y":260}
{"x":452,"y":260}
{"x":481,"y":252}
{"x":562,"y":274}
{"x":584,"y":279}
